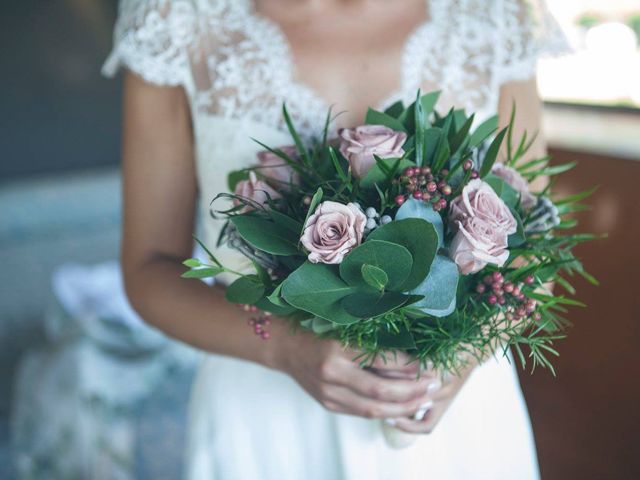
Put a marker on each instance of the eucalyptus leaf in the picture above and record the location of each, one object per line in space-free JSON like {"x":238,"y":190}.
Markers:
{"x":372,"y":304}
{"x":265,"y":235}
{"x":395,"y":260}
{"x":439,"y":288}
{"x":413,"y":208}
{"x":245,"y":290}
{"x":374,"y":276}
{"x":419,"y":237}
{"x":268,"y":306}
{"x":316,"y":288}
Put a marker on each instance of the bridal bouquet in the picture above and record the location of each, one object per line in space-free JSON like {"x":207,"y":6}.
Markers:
{"x":405,"y":234}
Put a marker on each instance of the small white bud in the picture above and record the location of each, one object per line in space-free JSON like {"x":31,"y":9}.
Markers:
{"x":371,"y":212}
{"x":385,"y":219}
{"x":371,"y":224}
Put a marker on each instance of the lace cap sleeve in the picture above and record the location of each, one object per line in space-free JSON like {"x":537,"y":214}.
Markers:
{"x":152,"y":38}
{"x":527,"y":31}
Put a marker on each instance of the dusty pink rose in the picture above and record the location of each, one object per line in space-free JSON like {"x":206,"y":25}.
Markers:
{"x":478,"y":199}
{"x":482,"y":222}
{"x":517,"y":182}
{"x":359,"y":145}
{"x":333,"y":231}
{"x":256,"y":190}
{"x":476,"y":244}
{"x":275,"y":168}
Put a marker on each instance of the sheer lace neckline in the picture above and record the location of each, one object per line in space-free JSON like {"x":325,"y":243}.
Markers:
{"x":407,"y":82}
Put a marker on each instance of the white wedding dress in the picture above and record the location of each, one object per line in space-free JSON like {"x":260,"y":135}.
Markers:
{"x":251,"y":423}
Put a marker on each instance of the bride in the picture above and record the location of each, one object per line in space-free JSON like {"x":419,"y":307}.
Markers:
{"x":203,"y":78}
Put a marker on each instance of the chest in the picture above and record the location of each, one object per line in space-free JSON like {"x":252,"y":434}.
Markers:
{"x":351,"y":55}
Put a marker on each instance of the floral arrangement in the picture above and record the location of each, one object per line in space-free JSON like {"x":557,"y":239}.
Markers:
{"x":405,"y":234}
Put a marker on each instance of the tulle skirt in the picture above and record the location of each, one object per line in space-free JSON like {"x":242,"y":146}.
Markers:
{"x":251,"y":423}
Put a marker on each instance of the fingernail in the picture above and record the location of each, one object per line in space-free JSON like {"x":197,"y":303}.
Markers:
{"x":434,"y":386}
{"x":390,"y":421}
{"x":423,"y":410}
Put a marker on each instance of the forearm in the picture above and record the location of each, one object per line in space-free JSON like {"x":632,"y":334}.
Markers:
{"x":196,"y":313}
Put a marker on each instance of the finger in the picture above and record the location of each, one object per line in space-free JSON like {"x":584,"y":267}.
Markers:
{"x":369,"y":385}
{"x":352,"y":403}
{"x":428,"y":422}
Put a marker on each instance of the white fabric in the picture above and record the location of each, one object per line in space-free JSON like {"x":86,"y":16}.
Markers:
{"x":252,"y":423}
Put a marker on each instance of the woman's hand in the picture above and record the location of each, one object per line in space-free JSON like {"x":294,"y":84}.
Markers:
{"x":439,"y":402}
{"x":329,"y":374}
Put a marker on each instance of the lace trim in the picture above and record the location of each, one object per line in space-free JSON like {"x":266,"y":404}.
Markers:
{"x":238,"y":64}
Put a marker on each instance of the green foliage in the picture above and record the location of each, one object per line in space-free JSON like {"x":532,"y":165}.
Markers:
{"x":419,"y":237}
{"x":317,"y":288}
{"x":393,"y":259}
{"x":266,"y":235}
{"x":374,"y":276}
{"x":245,"y":290}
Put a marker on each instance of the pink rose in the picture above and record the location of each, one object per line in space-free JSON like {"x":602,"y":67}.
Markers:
{"x":478,"y":199}
{"x":517,"y":182}
{"x":256,"y":190}
{"x":333,"y":231}
{"x":482,"y":222}
{"x":359,"y":145}
{"x":476,"y":244}
{"x":275,"y":168}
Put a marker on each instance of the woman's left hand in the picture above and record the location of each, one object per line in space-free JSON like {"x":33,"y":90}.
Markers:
{"x":441,"y":397}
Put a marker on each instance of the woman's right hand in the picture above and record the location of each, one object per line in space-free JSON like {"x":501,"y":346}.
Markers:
{"x":329,"y":374}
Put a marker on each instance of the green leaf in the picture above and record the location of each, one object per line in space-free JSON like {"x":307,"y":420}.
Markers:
{"x":483,"y":131}
{"x":245,"y":290}
{"x":439,"y":288}
{"x":395,"y":110}
{"x":374,"y":276}
{"x":208,"y":272}
{"x":372,"y":304}
{"x":235,"y":177}
{"x":402,"y":339}
{"x":208,"y":252}
{"x":419,"y":237}
{"x":376,"y":174}
{"x":505,"y":191}
{"x":428,"y":101}
{"x":378,"y":118}
{"x":461,"y":134}
{"x":315,"y":200}
{"x":413,"y":208}
{"x":192,"y":262}
{"x":316,"y":288}
{"x":395,"y":260}
{"x":420,"y":129}
{"x":431,"y":141}
{"x":285,"y":221}
{"x":268,"y":306}
{"x":518,"y":238}
{"x":336,"y":164}
{"x":265,"y":235}
{"x":275,"y":297}
{"x":492,"y":153}
{"x":296,"y":138}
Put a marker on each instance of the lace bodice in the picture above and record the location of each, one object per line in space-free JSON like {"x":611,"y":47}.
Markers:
{"x":237,"y":69}
{"x":235,"y":63}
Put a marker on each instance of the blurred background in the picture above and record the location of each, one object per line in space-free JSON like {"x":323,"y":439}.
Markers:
{"x":63,"y":315}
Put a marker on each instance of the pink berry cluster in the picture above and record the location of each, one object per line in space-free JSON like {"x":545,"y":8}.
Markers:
{"x":260,"y":322}
{"x":495,"y":290}
{"x":421,"y":184}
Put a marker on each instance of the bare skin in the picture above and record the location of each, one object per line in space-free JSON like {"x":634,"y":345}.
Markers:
{"x":160,"y":197}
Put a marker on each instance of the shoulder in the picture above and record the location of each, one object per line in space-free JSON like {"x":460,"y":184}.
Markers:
{"x":152,"y":38}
